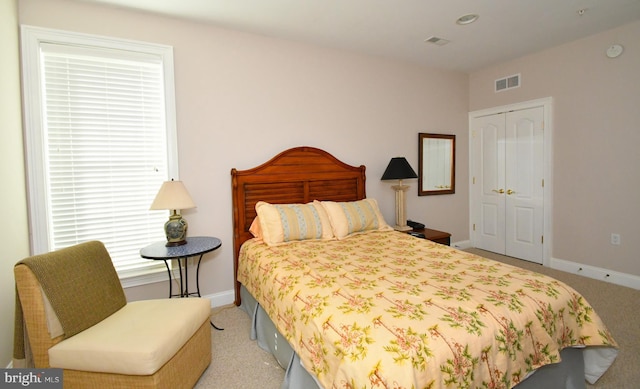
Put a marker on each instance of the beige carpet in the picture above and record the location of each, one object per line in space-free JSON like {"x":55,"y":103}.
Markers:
{"x":238,"y":362}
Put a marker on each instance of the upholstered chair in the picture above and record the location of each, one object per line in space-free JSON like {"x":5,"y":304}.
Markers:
{"x":71,"y":313}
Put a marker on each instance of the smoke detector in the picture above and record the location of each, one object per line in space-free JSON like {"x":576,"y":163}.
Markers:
{"x":467,"y":19}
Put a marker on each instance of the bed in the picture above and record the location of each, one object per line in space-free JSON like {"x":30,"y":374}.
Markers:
{"x":342,"y":300}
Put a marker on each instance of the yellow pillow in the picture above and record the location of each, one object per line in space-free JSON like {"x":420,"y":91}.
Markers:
{"x":282,"y":223}
{"x":354,"y":217}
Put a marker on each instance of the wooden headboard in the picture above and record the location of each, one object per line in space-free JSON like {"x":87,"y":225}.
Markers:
{"x":297,"y":175}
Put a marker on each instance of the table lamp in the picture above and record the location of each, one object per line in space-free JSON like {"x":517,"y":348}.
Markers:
{"x":399,"y":169}
{"x":174,"y":197}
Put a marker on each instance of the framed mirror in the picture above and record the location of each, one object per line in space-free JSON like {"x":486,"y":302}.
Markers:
{"x":437,"y":164}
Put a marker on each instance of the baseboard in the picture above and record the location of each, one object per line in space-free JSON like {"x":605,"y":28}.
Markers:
{"x":462,"y":245}
{"x":614,"y":277}
{"x":222,"y":298}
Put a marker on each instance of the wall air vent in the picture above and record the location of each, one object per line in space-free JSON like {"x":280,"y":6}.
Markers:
{"x":509,"y":82}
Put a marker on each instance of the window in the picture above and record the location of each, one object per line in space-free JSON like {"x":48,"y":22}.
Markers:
{"x":100,"y":140}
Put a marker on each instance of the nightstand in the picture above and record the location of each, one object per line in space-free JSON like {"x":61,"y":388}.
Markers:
{"x":435,"y":235}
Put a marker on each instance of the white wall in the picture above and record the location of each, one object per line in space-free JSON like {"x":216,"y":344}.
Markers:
{"x":14,"y":239}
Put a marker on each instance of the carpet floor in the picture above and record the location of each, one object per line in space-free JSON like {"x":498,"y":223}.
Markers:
{"x":238,"y":362}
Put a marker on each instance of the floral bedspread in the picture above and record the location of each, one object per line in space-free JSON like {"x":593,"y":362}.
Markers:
{"x":387,"y":310}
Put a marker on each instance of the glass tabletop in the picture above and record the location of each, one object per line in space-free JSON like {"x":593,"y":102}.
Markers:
{"x":196,"y":245}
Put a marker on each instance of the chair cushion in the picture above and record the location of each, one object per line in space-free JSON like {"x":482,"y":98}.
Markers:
{"x":136,"y":340}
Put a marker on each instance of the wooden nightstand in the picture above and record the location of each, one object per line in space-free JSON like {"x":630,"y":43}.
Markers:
{"x":434,"y":235}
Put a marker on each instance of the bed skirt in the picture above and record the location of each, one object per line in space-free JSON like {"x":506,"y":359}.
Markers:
{"x":569,"y":374}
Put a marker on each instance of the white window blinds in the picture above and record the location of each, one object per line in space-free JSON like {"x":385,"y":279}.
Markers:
{"x":105,"y":149}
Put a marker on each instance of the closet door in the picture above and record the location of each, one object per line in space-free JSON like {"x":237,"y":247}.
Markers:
{"x":507,"y":183}
{"x":524,"y":184}
{"x":488,"y":137}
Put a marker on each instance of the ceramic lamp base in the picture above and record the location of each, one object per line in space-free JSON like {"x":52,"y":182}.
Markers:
{"x":175,"y":230}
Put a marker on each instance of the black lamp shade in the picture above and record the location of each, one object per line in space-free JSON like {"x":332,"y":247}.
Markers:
{"x":399,"y":169}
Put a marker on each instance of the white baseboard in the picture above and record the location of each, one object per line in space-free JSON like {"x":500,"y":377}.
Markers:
{"x":462,"y":245}
{"x":222,"y":298}
{"x":612,"y":276}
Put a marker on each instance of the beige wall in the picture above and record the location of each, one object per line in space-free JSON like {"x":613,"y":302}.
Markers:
{"x":14,"y":239}
{"x":242,"y":98}
{"x":596,"y":139}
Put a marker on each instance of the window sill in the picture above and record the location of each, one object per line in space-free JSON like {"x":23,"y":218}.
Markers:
{"x":143,"y":278}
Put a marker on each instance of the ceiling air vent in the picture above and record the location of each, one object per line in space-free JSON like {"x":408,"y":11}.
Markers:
{"x":436,"y":41}
{"x":509,"y":82}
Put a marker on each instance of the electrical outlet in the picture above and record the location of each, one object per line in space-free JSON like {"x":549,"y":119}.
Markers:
{"x":615,"y":239}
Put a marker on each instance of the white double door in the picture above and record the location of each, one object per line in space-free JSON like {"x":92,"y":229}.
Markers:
{"x":507,"y":183}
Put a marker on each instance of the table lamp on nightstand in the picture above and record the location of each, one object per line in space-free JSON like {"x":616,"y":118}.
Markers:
{"x":174,"y":197}
{"x":399,"y":169}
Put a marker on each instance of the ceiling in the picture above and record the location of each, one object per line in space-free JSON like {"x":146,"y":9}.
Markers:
{"x":506,"y":29}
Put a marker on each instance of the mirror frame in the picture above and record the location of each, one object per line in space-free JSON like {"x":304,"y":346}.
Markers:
{"x":423,"y":137}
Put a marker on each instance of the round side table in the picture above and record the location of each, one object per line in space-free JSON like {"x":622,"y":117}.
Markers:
{"x":195,"y":246}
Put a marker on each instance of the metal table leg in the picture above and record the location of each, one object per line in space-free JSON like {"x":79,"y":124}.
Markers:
{"x":170,"y":278}
{"x":198,"y":289}
{"x":184,"y":292}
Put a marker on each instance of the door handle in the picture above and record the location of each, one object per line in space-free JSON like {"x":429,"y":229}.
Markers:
{"x":510,"y":192}
{"x":498,"y":191}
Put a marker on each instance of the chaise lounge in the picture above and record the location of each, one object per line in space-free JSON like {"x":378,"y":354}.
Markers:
{"x":76,"y":318}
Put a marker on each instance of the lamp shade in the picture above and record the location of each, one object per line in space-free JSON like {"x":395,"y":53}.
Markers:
{"x":172,"y":195}
{"x":399,"y":169}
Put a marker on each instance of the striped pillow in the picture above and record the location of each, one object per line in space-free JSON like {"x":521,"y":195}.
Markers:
{"x":354,"y":217}
{"x":281,"y":223}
